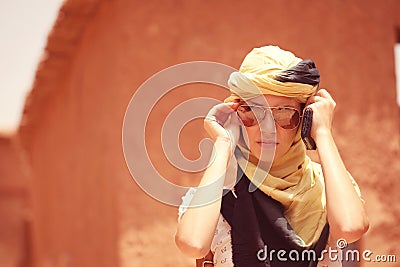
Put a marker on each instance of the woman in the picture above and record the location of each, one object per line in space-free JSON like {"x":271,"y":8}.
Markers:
{"x":282,"y":201}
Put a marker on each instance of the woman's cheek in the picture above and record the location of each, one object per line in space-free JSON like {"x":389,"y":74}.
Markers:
{"x":285,"y":140}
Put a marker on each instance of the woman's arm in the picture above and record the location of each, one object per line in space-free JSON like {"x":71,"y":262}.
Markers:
{"x":346,"y":213}
{"x":197,"y":225}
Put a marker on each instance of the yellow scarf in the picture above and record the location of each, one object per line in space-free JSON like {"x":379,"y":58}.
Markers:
{"x":293,"y":180}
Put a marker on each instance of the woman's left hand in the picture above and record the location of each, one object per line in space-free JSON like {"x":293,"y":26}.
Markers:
{"x":323,"y":106}
{"x":345,"y":210}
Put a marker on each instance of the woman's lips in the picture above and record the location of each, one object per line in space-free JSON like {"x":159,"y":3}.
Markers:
{"x":268,"y":143}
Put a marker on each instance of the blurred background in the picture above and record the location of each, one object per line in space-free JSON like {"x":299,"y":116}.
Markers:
{"x":66,"y":195}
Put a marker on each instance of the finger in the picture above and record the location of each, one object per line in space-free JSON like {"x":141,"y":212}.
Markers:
{"x":223,"y":110}
{"x":225,"y":107}
{"x":324,"y":93}
{"x":235,"y":106}
{"x":314,"y":99}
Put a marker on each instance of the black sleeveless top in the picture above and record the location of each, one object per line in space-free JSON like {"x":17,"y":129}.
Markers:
{"x":261,"y":235}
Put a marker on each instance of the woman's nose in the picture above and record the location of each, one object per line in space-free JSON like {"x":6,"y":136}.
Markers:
{"x":267,"y":125}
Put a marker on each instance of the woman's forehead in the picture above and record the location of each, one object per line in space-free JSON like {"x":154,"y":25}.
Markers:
{"x":273,"y":100}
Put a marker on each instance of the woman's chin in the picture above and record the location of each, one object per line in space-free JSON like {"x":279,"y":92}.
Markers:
{"x":266,"y":155}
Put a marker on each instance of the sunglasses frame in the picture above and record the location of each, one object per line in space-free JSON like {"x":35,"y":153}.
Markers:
{"x":264,"y":109}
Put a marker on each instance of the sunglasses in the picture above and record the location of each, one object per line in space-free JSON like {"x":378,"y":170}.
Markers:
{"x":286,"y":117}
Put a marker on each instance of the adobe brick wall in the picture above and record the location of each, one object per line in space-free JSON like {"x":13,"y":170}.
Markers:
{"x":15,"y":217}
{"x":87,"y":211}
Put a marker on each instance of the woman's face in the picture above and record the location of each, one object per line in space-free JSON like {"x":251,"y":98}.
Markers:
{"x":267,"y":135}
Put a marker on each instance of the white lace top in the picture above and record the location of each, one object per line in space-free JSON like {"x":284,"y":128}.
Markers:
{"x":221,"y":245}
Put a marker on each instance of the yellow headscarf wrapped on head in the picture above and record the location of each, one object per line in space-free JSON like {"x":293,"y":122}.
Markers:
{"x":293,"y":180}
{"x":271,"y":69}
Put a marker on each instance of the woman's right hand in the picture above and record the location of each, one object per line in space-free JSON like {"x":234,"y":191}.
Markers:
{"x":222,"y":123}
{"x":194,"y":237}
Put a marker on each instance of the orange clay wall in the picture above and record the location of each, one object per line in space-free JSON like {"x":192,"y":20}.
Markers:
{"x":74,"y":202}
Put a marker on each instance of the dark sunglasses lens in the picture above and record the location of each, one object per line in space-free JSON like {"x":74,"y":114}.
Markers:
{"x":286,"y":118}
{"x":248,"y":115}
